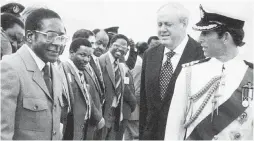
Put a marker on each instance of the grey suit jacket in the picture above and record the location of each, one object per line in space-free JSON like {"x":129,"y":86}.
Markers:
{"x":109,"y":81}
{"x":75,"y":128}
{"x":28,"y":110}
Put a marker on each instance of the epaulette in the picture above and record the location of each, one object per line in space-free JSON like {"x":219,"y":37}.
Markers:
{"x":192,"y":63}
{"x":248,"y":64}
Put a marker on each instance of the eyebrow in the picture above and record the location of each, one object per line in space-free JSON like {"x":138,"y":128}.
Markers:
{"x":61,"y":33}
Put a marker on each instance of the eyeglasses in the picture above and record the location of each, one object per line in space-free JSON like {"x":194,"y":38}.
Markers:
{"x":54,"y":38}
{"x":125,"y":48}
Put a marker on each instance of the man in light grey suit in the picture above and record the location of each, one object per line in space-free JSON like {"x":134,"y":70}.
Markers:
{"x":31,"y":90}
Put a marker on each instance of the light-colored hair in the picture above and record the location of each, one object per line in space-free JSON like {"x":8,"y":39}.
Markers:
{"x":181,"y":12}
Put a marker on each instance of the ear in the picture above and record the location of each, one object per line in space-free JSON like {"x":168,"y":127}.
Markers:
{"x":226,"y":37}
{"x":184,"y":21}
{"x":29,"y":36}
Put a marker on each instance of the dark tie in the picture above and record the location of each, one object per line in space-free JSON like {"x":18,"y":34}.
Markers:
{"x":117,"y":78}
{"x":47,"y":79}
{"x":166,"y":74}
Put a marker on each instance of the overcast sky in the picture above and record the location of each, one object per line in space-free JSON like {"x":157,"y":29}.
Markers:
{"x":137,"y":18}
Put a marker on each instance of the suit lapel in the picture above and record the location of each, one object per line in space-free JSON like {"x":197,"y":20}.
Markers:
{"x":156,"y":62}
{"x":110,"y":70}
{"x":75,"y":76}
{"x":187,"y":56}
{"x":32,"y":66}
{"x":57,"y":85}
{"x":93,"y":78}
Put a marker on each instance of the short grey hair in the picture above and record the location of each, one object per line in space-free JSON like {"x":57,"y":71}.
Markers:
{"x":180,"y":11}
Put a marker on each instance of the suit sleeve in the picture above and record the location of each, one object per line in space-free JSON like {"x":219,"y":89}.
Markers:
{"x":96,"y":115}
{"x":131,"y":61}
{"x":143,"y":98}
{"x":5,"y":47}
{"x":129,"y":91}
{"x":10,"y":86}
{"x":175,"y":121}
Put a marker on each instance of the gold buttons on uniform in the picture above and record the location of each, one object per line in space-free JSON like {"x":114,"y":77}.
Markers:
{"x":242,"y":118}
{"x":235,"y":135}
{"x":54,"y":132}
{"x":35,"y":107}
{"x":215,"y":137}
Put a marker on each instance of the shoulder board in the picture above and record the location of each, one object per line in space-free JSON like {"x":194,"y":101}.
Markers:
{"x":195,"y":62}
{"x":248,"y":64}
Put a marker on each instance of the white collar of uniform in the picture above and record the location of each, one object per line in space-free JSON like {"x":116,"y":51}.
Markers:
{"x":74,"y":67}
{"x":231,"y":63}
{"x":37,"y":60}
{"x":179,"y":49}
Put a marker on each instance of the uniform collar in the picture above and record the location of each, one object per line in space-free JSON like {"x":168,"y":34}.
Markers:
{"x":37,"y":60}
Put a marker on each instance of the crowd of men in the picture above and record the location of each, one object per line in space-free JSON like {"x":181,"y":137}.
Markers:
{"x":171,"y":87}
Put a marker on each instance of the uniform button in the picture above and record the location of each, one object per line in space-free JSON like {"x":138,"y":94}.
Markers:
{"x":54,"y":106}
{"x":215,"y":137}
{"x":35,"y":107}
{"x":237,"y":136}
{"x":54,"y":132}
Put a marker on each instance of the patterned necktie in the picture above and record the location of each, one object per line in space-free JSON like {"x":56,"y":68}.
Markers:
{"x":166,"y":74}
{"x":82,"y":80}
{"x":47,"y":79}
{"x":117,"y":78}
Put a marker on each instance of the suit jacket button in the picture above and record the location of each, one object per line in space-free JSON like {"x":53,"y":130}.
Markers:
{"x":54,"y":132}
{"x":35,"y":107}
{"x":54,"y":106}
{"x":82,"y":126}
{"x":215,"y":137}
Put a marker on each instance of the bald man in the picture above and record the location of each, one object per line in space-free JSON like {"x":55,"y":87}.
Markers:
{"x":101,"y":43}
{"x":161,"y":66}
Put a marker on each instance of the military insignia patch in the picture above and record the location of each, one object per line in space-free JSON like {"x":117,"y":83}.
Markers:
{"x":242,"y":118}
{"x":15,"y":9}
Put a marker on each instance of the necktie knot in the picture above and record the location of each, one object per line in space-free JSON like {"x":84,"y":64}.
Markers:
{"x":82,"y":79}
{"x":170,"y":54}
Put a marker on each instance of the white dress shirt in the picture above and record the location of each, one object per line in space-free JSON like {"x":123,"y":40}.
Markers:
{"x":178,"y":53}
{"x":112,"y":60}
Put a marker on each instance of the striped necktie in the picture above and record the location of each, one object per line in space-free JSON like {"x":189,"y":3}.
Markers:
{"x":166,"y":74}
{"x":117,"y":78}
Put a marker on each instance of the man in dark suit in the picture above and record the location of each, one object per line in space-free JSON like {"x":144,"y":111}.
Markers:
{"x":113,"y":76}
{"x":31,"y":87}
{"x":83,"y":109}
{"x":160,"y":69}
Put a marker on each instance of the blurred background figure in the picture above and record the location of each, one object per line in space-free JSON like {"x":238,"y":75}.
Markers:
{"x":101,"y":42}
{"x":132,"y":129}
{"x":12,"y":8}
{"x":12,"y":34}
{"x":153,"y":41}
{"x":111,"y":31}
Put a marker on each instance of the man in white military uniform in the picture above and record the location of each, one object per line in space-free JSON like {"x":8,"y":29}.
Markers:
{"x":213,"y":97}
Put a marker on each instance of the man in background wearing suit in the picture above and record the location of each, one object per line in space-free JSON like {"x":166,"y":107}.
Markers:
{"x":113,"y":76}
{"x":31,"y":90}
{"x":161,"y":67}
{"x":83,"y":111}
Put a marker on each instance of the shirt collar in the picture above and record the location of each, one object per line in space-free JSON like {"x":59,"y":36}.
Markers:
{"x":74,"y":66}
{"x":37,"y":60}
{"x":179,"y":49}
{"x":111,"y":58}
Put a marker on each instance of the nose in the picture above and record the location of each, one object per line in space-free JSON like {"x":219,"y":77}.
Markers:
{"x":162,"y":28}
